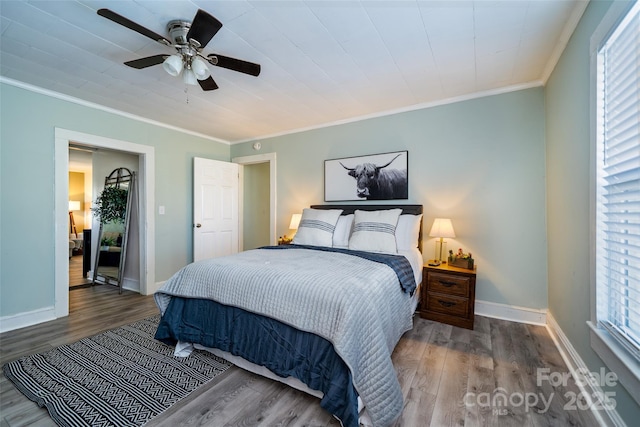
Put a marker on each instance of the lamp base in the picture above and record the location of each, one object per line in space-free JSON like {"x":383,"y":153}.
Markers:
{"x":441,"y":248}
{"x":434,"y":263}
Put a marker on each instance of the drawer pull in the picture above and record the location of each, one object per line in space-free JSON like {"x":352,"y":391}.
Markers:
{"x":448,"y":284}
{"x":446,"y":303}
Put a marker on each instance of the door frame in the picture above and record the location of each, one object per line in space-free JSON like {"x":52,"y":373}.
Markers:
{"x":252,"y":160}
{"x":146,"y":188}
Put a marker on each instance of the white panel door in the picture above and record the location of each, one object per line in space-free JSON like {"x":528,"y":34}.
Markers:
{"x":215,"y":208}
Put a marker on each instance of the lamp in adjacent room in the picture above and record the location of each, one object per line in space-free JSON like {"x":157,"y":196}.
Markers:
{"x":442,"y":227}
{"x":74,"y":205}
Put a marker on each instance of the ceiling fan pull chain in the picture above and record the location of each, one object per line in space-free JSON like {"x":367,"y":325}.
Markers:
{"x":186,"y":91}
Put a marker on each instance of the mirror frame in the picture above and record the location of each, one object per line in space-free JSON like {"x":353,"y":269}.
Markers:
{"x":119,"y":177}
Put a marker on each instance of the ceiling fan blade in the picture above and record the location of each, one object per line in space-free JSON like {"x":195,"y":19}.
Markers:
{"x":125,"y":22}
{"x":208,"y":84}
{"x":234,"y":64}
{"x":146,"y":62}
{"x":203,"y":28}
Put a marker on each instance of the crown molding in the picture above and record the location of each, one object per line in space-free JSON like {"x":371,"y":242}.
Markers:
{"x":414,"y":107}
{"x":567,"y":32}
{"x":78,"y":101}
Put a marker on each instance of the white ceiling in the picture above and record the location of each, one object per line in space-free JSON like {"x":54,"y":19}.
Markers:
{"x":322,"y":62}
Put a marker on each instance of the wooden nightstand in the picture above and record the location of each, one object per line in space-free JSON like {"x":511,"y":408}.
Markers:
{"x":448,"y":295}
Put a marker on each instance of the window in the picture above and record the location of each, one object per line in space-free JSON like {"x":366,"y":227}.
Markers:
{"x":615,"y":181}
{"x":618,"y":183}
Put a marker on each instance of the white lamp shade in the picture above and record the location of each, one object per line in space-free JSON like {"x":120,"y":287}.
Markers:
{"x":200,"y":69}
{"x":295,"y":221}
{"x":442,"y":227}
{"x":173,"y":65}
{"x":189,"y":78}
{"x":74,"y":205}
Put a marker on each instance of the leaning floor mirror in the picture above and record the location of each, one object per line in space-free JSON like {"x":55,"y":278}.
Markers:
{"x":113,"y":209}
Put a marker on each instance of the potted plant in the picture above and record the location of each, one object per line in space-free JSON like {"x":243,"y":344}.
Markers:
{"x":106,"y":242}
{"x":111,"y":205}
{"x":461,"y":259}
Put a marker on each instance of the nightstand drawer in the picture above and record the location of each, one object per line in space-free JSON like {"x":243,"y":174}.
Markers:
{"x":449,"y":284}
{"x":446,"y":304}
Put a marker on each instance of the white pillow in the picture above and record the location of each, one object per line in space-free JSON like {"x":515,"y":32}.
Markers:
{"x":408,"y":232}
{"x":343,"y":231}
{"x":316,"y":227}
{"x":375,"y":231}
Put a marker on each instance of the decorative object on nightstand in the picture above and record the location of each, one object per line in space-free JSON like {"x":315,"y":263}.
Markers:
{"x":448,"y":295}
{"x":441,"y":228}
{"x":293,"y":225}
{"x":460,"y":259}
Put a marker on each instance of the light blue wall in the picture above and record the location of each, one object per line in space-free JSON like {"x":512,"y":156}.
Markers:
{"x":479,"y":162}
{"x":256,"y":196}
{"x":568,"y":168}
{"x":27,"y":122}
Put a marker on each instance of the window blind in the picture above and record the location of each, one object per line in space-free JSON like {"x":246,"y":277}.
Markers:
{"x":618,"y":184}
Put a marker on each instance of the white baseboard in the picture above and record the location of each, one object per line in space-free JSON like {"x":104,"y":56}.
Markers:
{"x":131,"y":284}
{"x":607,"y":416}
{"x":29,"y":318}
{"x":156,"y":286}
{"x":511,"y":312}
{"x":22,"y":320}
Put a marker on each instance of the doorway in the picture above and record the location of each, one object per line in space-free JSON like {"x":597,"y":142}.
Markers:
{"x":255,"y":221}
{"x":146,"y":234}
{"x":248,"y":211}
{"x":80,"y":197}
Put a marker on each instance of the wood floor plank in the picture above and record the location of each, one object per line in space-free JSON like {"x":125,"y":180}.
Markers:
{"x":429,"y":369}
{"x":437,"y":365}
{"x":418,"y":409}
{"x":75,"y":273}
{"x":551,"y":360}
{"x":507,"y":375}
{"x":315,"y":416}
{"x":408,"y":353}
{"x":449,"y":408}
{"x":481,"y":383}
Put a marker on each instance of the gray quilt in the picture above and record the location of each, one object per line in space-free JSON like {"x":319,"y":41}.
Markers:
{"x":356,"y":304}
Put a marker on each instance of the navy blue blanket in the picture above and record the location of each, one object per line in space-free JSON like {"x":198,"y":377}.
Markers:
{"x":284,"y":350}
{"x":400,"y":264}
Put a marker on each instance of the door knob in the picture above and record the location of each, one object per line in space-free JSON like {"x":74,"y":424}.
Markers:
{"x":198,"y":225}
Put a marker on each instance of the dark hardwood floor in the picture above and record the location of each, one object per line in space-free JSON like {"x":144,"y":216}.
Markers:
{"x":75,"y":273}
{"x":446,"y":374}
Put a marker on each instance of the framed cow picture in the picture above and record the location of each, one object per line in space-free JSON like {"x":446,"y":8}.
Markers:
{"x":373,"y":177}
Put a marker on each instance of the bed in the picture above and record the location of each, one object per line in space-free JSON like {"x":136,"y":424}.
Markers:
{"x":322,"y":314}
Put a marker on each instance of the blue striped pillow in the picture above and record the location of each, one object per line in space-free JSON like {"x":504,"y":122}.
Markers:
{"x":375,"y":231}
{"x":316,"y":227}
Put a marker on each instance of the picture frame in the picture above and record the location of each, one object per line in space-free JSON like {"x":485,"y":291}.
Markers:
{"x":383,"y":176}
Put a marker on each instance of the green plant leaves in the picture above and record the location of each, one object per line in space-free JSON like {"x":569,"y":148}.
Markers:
{"x":111,"y":205}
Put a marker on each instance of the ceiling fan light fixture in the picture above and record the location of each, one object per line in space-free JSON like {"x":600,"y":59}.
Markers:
{"x":173,"y":65}
{"x":189,"y":77}
{"x":200,"y":69}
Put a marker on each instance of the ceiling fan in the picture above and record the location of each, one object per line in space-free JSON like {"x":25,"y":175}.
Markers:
{"x":188,"y":38}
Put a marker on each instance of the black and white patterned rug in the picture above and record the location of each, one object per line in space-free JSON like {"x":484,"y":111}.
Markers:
{"x":122,"y":377}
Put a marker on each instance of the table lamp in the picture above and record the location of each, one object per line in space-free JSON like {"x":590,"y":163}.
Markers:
{"x":441,"y":228}
{"x":295,"y":221}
